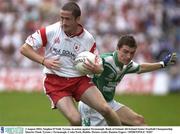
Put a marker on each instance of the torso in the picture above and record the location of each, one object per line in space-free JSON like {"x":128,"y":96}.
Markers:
{"x":112,"y":75}
{"x":65,"y":48}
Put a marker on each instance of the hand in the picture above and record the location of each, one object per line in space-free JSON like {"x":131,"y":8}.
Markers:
{"x":95,"y":68}
{"x":169,"y":59}
{"x":52,"y":63}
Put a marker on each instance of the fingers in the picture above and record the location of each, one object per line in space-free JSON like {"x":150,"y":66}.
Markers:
{"x":87,"y":61}
{"x":52,"y":64}
{"x":88,"y":64}
{"x":173,"y":58}
{"x":96,"y":68}
{"x":97,"y":59}
{"x":55,"y":64}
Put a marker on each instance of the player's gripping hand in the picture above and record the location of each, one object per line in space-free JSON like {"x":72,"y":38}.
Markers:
{"x":95,"y":68}
{"x":169,"y":59}
{"x":51,"y":63}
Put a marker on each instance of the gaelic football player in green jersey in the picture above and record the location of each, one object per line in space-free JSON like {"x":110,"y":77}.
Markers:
{"x":116,"y":65}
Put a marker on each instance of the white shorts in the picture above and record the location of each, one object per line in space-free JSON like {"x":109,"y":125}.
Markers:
{"x":91,"y":117}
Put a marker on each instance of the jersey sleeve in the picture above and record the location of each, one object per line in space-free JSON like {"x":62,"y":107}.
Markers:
{"x":94,"y":49}
{"x":37,"y":39}
{"x":135,"y":68}
{"x":91,"y":44}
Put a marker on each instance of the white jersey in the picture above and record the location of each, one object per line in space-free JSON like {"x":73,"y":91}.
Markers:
{"x":90,"y":117}
{"x":58,"y":44}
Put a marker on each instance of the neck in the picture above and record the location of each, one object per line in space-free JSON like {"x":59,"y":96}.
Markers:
{"x":72,"y":33}
{"x":75,"y":31}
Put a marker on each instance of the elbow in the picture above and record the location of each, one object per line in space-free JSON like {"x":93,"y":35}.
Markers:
{"x":143,"y":71}
{"x":22,"y":49}
{"x":139,"y":72}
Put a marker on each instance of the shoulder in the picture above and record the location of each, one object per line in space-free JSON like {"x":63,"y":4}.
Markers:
{"x":133,"y":67}
{"x":52,"y":30}
{"x":53,"y":27}
{"x":106,"y":55}
{"x":134,"y":64}
{"x":88,"y":35}
{"x":107,"y":58}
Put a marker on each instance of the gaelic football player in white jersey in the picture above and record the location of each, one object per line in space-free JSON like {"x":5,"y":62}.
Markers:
{"x":116,"y":65}
{"x":63,"y":41}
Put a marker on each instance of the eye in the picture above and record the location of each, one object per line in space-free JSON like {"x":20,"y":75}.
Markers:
{"x":132,"y":53}
{"x":125,"y":51}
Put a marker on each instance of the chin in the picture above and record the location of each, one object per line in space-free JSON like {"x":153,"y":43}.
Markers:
{"x":65,"y":29}
{"x":126,"y":63}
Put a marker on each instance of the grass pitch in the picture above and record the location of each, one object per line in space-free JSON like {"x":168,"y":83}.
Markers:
{"x":33,"y":109}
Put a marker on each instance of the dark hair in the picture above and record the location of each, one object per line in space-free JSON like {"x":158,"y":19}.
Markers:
{"x":73,"y":7}
{"x":127,"y":40}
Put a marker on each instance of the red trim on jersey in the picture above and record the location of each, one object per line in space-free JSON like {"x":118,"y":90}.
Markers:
{"x":43,"y":36}
{"x":93,"y":48}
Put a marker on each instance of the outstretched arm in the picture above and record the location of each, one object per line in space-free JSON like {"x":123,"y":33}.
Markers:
{"x":170,"y":59}
{"x":148,"y":67}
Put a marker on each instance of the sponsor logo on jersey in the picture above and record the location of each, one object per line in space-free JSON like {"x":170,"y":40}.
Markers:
{"x":60,"y":52}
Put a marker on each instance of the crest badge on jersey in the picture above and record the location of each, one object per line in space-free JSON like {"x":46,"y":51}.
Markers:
{"x":76,"y":47}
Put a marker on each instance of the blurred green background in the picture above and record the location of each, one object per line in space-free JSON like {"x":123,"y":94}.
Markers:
{"x":33,"y":109}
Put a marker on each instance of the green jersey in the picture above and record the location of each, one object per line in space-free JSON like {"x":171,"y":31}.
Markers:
{"x":113,"y":73}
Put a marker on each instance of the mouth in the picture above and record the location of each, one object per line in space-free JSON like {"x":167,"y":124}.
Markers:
{"x":127,"y":61}
{"x":64,"y":26}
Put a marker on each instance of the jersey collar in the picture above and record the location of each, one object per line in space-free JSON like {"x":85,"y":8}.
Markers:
{"x":78,"y":34}
{"x":115,"y":57}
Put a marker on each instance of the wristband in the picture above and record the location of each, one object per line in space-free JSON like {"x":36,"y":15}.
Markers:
{"x":162,"y":64}
{"x":43,"y":61}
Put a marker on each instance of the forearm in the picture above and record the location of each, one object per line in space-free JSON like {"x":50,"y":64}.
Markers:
{"x":148,"y":67}
{"x":28,"y":51}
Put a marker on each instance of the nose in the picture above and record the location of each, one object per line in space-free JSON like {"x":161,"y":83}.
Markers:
{"x":128,"y":56}
{"x":63,"y":21}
